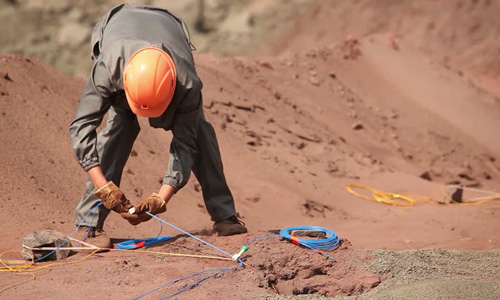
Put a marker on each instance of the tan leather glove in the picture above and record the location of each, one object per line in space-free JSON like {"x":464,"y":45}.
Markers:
{"x":153,"y":204}
{"x":112,"y":198}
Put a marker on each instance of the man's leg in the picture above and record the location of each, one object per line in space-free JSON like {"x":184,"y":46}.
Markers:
{"x":114,"y":144}
{"x":208,"y":170}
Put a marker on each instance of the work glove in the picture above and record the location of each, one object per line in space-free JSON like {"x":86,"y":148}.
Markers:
{"x":113,"y":198}
{"x":153,"y":204}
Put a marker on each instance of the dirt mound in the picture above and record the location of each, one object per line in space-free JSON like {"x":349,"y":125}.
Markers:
{"x":293,"y":271}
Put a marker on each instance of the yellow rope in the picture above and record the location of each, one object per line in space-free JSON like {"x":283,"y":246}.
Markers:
{"x":175,"y":254}
{"x":8,"y":268}
{"x":384,"y":197}
{"x":406,"y":200}
{"x":30,"y":266}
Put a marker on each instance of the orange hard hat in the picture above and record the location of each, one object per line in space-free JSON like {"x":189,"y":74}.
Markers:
{"x":149,"y":81}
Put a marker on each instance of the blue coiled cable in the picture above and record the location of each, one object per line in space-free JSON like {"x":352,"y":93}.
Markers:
{"x":328,"y":243}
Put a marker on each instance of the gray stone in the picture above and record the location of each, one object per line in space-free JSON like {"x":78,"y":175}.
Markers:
{"x":45,"y":238}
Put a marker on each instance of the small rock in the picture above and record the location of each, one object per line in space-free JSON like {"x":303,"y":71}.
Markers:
{"x":357,"y":126}
{"x":391,"y":42}
{"x":271,"y":278}
{"x":7,"y":77}
{"x":465,"y":176}
{"x":253,"y":199}
{"x":396,"y":145}
{"x":267,"y":65}
{"x":426,"y":176}
{"x":314,"y":81}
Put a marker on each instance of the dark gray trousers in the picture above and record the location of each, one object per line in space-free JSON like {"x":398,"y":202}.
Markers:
{"x":114,"y":144}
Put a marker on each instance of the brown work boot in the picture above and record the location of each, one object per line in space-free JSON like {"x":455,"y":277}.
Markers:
{"x":95,"y":237}
{"x":230,"y":226}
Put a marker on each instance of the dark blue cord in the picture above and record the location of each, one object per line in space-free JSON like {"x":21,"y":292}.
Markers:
{"x":215,"y":271}
{"x":202,"y":279}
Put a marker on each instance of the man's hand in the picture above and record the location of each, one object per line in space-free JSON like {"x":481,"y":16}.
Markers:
{"x":112,"y":198}
{"x":153,"y":204}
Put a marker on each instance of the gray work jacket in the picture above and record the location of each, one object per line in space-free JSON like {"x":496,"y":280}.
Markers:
{"x":119,"y":34}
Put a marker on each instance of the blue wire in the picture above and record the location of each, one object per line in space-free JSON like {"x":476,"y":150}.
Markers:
{"x":328,"y":243}
{"x":216,"y":272}
{"x":201,"y":280}
{"x":161,"y":229}
{"x":131,"y":244}
{"x":189,"y":234}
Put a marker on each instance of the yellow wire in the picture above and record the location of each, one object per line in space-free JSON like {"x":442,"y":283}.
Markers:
{"x":8,"y":268}
{"x":30,"y":267}
{"x":405,"y":200}
{"x":384,"y":197}
{"x":175,"y":254}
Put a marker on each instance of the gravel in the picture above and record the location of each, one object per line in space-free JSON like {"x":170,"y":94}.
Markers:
{"x":428,"y":274}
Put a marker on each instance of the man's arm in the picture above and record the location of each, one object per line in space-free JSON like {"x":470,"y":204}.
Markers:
{"x":91,"y":110}
{"x":183,"y":148}
{"x":93,"y":106}
{"x":97,"y":177}
{"x":166,"y":192}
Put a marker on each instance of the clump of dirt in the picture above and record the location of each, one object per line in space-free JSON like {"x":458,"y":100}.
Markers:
{"x":294,"y":270}
{"x":350,"y":49}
